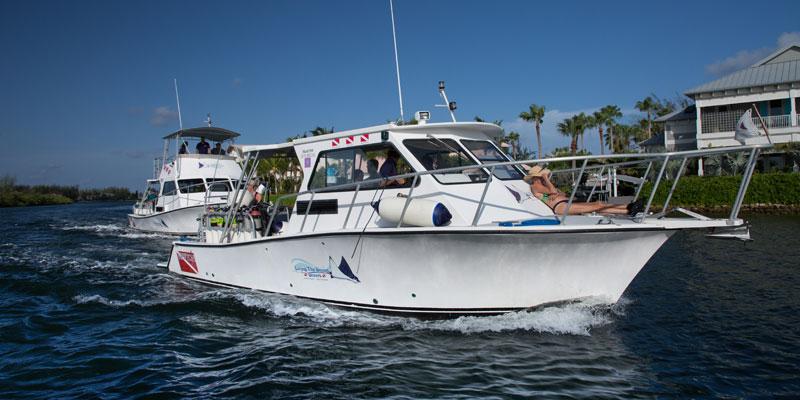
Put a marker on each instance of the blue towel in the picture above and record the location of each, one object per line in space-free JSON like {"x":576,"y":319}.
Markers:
{"x":532,"y":222}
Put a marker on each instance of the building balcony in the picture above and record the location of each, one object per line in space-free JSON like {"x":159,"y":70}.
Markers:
{"x":719,"y":122}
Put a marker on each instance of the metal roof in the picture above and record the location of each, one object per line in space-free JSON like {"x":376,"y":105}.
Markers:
{"x":760,"y":74}
{"x":211,"y":133}
{"x":678,"y":115}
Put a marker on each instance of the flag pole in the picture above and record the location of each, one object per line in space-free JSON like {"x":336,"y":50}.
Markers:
{"x":763,"y":125}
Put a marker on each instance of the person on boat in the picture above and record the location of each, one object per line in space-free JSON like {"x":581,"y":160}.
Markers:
{"x":389,"y":169}
{"x":544,"y":190}
{"x":217,"y":149}
{"x":183,"y":148}
{"x":254,"y":193}
{"x":372,"y":169}
{"x":203,"y":146}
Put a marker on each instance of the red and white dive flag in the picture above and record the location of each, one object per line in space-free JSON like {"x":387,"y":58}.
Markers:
{"x":745,"y":128}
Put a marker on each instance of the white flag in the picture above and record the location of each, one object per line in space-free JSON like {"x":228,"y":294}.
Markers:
{"x":745,"y":128}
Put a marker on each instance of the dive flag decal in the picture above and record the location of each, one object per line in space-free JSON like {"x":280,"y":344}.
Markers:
{"x":187,"y":262}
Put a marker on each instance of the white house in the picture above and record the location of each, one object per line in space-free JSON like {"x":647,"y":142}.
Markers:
{"x":772,"y":85}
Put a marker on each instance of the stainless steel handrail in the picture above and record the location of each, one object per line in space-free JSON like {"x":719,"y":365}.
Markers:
{"x":641,"y":157}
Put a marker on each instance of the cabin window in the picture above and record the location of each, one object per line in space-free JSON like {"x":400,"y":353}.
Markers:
{"x":153,"y":188}
{"x":219,"y":185}
{"x":436,"y":154}
{"x":357,"y":164}
{"x":191,"y":186}
{"x":169,"y":188}
{"x":487,"y":153}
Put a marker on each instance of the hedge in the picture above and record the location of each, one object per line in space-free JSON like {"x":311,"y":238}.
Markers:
{"x":711,"y":191}
{"x":10,"y":198}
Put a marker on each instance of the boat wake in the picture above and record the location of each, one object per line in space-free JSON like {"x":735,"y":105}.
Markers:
{"x":577,"y":318}
{"x":114,"y":230}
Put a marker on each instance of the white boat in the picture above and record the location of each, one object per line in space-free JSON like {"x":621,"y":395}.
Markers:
{"x":187,"y":182}
{"x":501,"y":250}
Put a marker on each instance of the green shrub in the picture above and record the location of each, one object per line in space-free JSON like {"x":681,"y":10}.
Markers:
{"x":709,"y":191}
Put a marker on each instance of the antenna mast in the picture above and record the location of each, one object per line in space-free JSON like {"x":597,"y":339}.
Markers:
{"x":178,"y":100}
{"x":396,"y":61}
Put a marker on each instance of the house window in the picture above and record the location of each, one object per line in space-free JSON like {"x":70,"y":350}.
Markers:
{"x":776,"y":107}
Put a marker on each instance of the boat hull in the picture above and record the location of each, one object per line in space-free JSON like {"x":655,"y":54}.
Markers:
{"x":182,"y":221}
{"x":429,"y":273}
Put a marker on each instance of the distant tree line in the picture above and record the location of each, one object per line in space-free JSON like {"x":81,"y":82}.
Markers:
{"x":14,"y":195}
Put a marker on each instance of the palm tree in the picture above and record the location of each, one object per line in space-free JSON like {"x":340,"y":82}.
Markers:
{"x":513,"y":140}
{"x":648,"y":105}
{"x":591,"y":123}
{"x":321,"y":131}
{"x":535,"y":114}
{"x":608,"y":115}
{"x":570,"y":127}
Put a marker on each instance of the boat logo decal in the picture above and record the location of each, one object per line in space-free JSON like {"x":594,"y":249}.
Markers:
{"x":199,"y":165}
{"x":163,"y":223}
{"x":311,"y":271}
{"x":187,"y":262}
{"x":335,"y":142}
{"x":515,"y":194}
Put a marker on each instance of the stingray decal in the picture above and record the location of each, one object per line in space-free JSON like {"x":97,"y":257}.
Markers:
{"x":311,"y":271}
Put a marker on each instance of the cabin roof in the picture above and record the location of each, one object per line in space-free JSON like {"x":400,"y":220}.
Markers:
{"x":491,"y":130}
{"x":269,"y":150}
{"x":211,"y":133}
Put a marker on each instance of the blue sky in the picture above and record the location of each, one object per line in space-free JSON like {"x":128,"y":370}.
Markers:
{"x":86,"y":87}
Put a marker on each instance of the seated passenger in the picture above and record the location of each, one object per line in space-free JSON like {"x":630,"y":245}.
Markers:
{"x":372,"y":169}
{"x":544,"y":190}
{"x":389,"y":169}
{"x":183,"y":148}
{"x":203,"y":146}
{"x":358,"y":175}
{"x":217,"y":149}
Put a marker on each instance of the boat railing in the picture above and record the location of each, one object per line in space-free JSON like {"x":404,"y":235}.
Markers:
{"x":605,"y":163}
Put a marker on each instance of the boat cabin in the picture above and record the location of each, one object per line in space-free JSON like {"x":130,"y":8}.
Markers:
{"x":345,"y":173}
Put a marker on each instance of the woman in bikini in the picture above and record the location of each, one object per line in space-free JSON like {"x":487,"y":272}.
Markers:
{"x":544,"y":190}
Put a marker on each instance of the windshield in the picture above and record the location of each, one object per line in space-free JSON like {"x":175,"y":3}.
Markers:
{"x":487,"y":153}
{"x":436,"y":154}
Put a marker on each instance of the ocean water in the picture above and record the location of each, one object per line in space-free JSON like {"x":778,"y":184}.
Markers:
{"x":86,"y":313}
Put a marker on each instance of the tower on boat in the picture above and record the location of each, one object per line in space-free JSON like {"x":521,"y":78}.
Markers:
{"x":198,"y":168}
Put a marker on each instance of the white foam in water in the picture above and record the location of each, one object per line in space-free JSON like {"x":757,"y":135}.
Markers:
{"x":96,"y":298}
{"x":94,"y":228}
{"x":574,"y":318}
{"x":115,"y":230}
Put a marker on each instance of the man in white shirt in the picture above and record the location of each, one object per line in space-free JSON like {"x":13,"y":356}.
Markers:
{"x":254,"y":193}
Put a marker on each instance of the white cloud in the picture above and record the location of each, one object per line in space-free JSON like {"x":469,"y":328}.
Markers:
{"x":788,"y":38}
{"x":746,"y":58}
{"x":742,"y":59}
{"x":163,"y":116}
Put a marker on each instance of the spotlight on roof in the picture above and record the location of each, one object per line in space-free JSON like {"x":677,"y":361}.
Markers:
{"x":422,"y":117}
